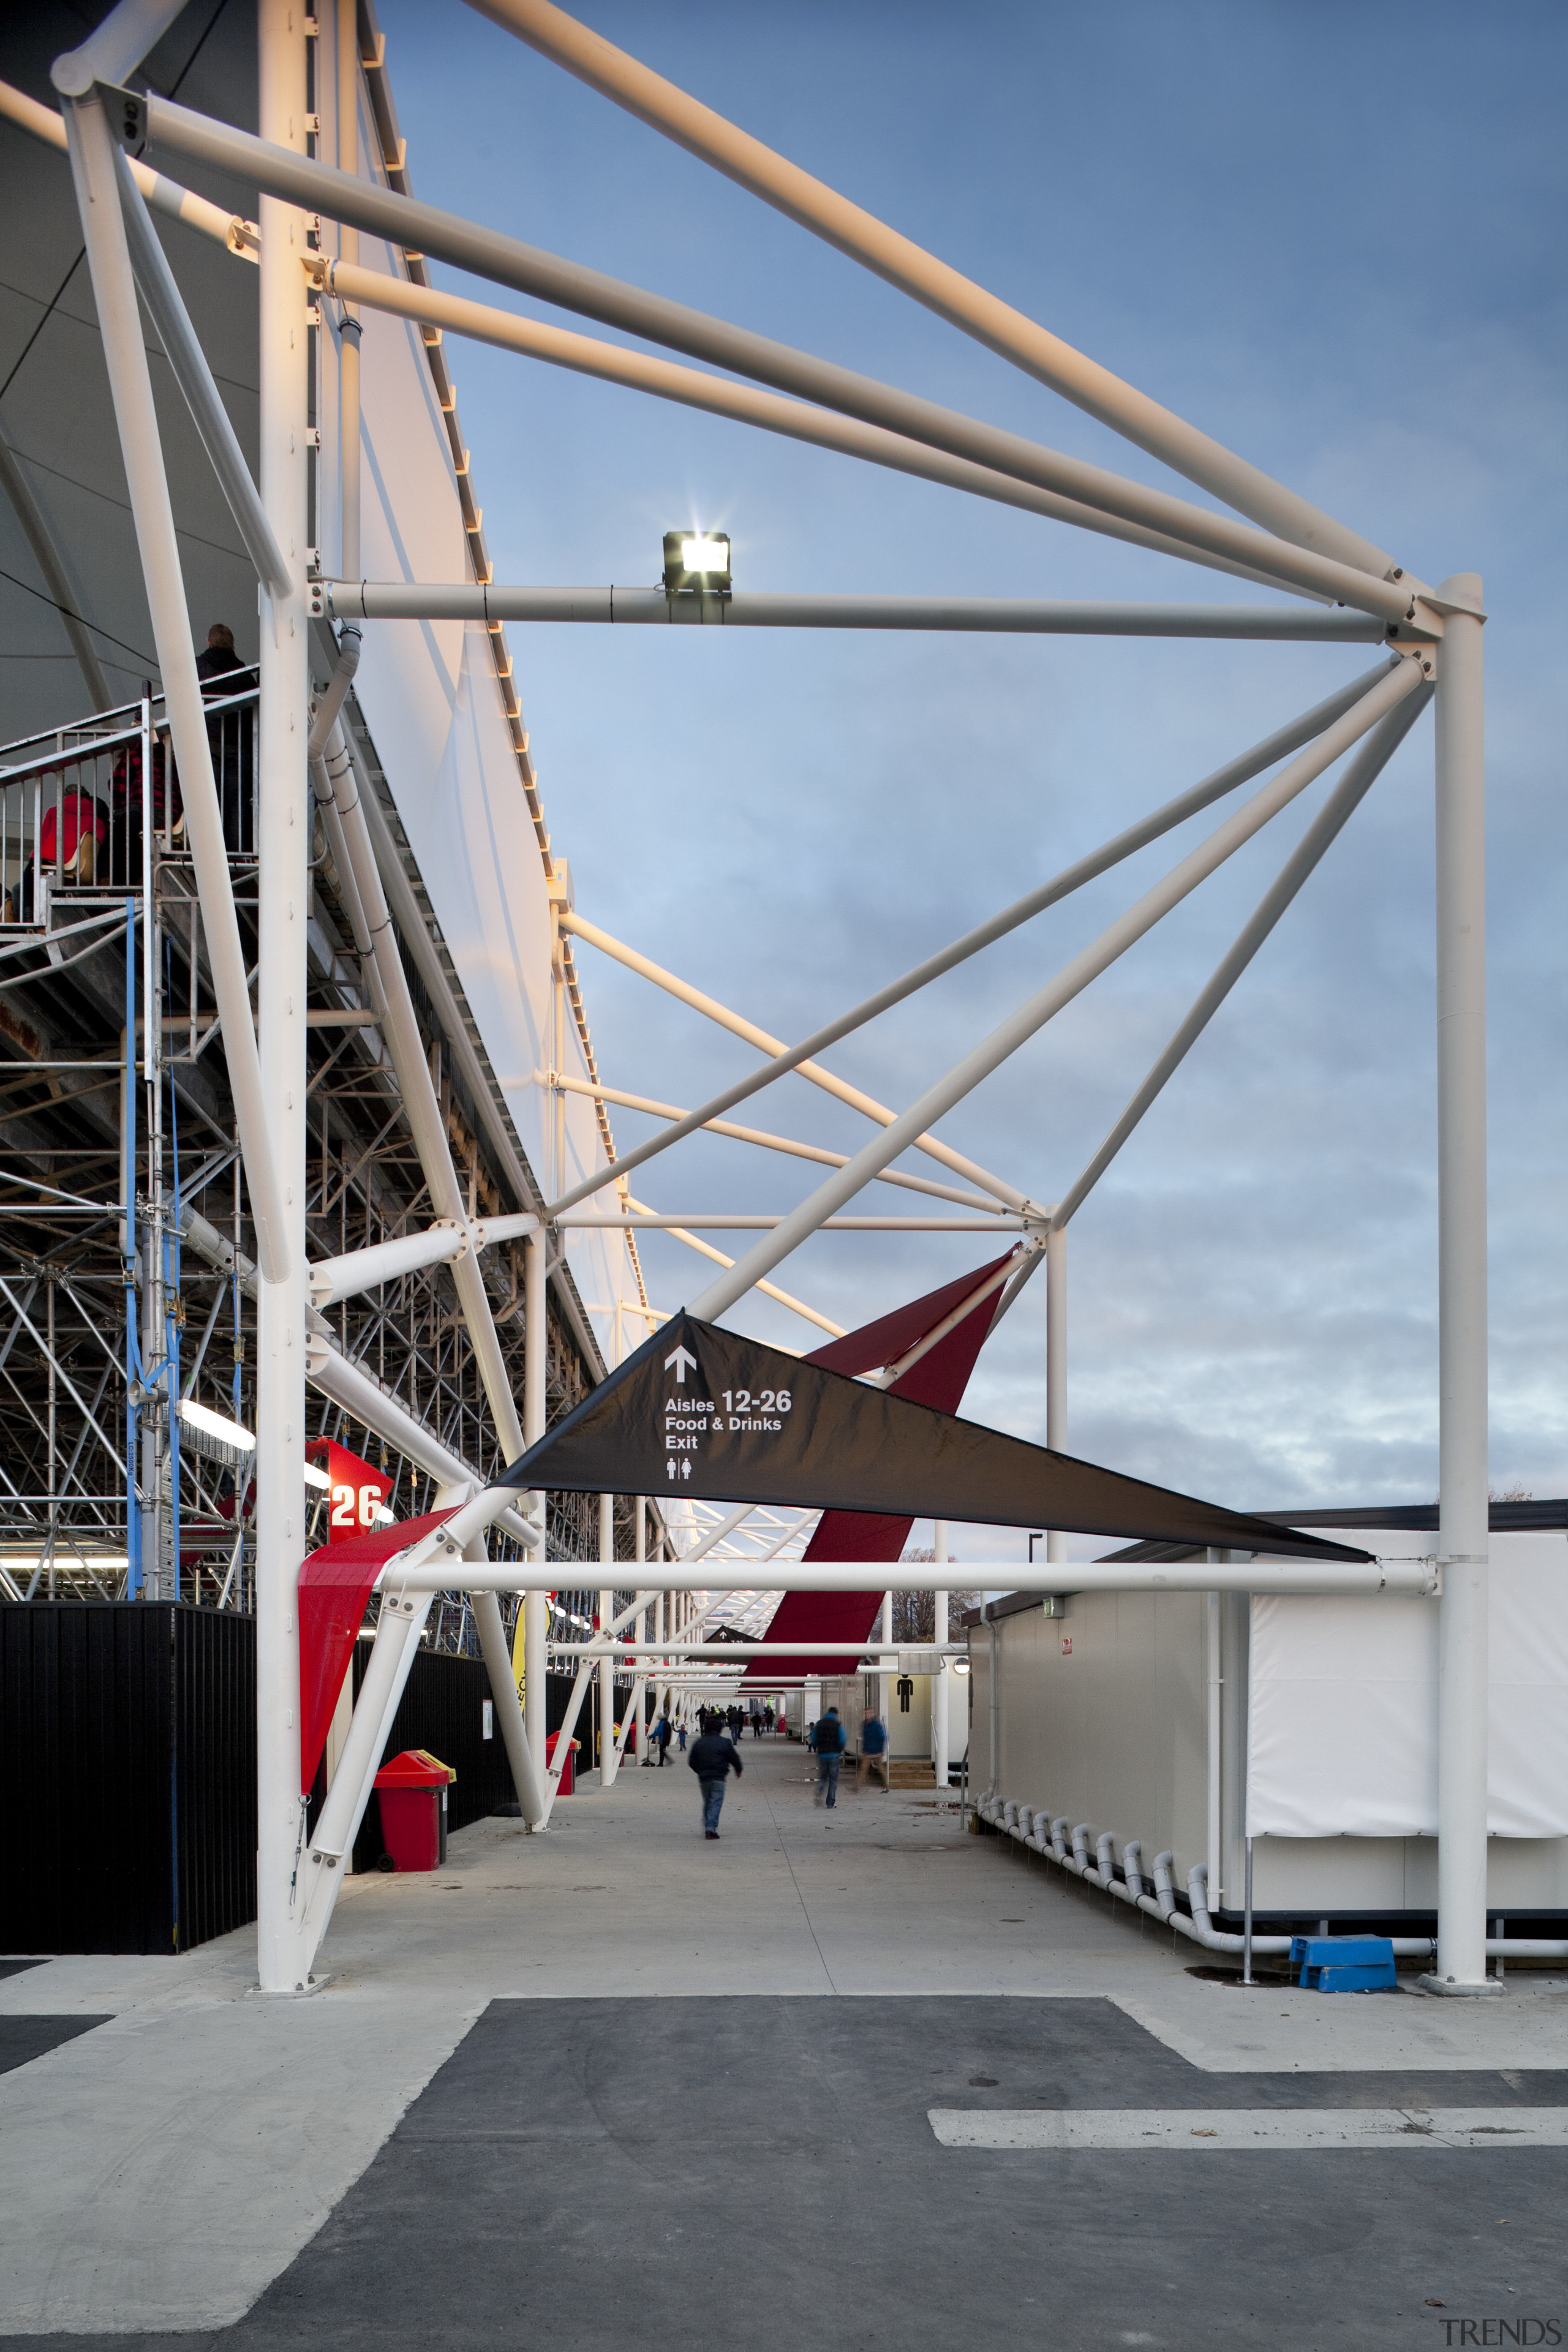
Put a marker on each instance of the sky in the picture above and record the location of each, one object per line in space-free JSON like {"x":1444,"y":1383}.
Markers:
{"x":1333,"y":238}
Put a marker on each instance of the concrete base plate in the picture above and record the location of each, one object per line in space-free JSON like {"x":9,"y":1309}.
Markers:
{"x":1449,"y":1991}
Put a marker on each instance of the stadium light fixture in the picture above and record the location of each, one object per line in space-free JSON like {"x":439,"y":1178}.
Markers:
{"x":697,"y":562}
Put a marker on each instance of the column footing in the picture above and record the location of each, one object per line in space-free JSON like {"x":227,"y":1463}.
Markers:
{"x":1448,"y":1990}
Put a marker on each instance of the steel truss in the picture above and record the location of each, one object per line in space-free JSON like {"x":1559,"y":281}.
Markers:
{"x":341,"y":1167}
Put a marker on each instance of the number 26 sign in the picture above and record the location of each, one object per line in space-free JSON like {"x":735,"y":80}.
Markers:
{"x":356,"y":1494}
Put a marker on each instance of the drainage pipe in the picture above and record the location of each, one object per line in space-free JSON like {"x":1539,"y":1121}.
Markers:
{"x":1046,"y":1836}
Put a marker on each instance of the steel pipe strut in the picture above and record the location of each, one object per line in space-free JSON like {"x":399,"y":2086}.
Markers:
{"x":93,"y":170}
{"x":189,"y":362}
{"x":744,"y":404}
{"x":1415,"y":1578}
{"x":1463,"y":1514}
{"x":800,"y":198}
{"x":445,"y":237}
{"x":115,"y":48}
{"x":1070,"y":983}
{"x":397,"y":600}
{"x":1226,"y":778}
{"x":1303,"y":860}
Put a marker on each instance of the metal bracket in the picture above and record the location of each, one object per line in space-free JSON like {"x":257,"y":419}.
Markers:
{"x":126,"y":111}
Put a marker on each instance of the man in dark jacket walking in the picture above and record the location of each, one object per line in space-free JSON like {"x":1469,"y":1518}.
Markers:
{"x":827,"y":1739}
{"x":712,"y":1758}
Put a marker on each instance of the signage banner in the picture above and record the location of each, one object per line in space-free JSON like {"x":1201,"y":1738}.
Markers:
{"x":702,"y":1411}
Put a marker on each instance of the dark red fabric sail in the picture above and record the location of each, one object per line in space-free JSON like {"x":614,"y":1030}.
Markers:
{"x":939,"y":1378}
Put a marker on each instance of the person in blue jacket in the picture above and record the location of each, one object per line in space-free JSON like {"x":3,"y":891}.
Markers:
{"x":873,"y":1749}
{"x":827,"y":1739}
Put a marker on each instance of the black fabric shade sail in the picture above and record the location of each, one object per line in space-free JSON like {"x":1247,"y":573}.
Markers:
{"x":701,"y":1411}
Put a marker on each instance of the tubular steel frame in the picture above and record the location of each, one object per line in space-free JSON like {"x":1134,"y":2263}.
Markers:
{"x":367,"y":1149}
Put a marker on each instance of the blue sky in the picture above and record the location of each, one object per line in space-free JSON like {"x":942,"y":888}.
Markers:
{"x":1332,"y":237}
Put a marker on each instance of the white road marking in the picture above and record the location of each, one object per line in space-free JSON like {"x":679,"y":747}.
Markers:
{"x":1175,"y":2129}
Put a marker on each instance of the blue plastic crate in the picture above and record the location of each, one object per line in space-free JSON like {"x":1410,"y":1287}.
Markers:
{"x":1344,"y":1963}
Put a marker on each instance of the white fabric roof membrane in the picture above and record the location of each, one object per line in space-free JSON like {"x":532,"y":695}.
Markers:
{"x":429,"y":690}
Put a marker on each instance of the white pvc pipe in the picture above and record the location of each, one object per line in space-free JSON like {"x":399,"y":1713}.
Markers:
{"x":1464,"y":1512}
{"x":397,"y":600}
{"x":1033,"y":1015}
{"x":114,"y":296}
{"x":800,"y":198}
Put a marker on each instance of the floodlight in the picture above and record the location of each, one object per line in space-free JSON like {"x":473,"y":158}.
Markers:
{"x":315,"y":1477}
{"x":961,"y":1666}
{"x":383,"y":1517}
{"x":209,"y":1433}
{"x":696,"y":561}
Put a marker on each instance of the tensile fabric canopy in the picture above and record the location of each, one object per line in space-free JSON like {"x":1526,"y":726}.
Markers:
{"x":699,"y":1411}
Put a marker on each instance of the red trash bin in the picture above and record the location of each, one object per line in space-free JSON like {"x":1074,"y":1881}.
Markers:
{"x":413,"y":1791}
{"x":569,"y":1770}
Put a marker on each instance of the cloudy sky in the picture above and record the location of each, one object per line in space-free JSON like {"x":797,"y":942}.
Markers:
{"x":1332,"y":237}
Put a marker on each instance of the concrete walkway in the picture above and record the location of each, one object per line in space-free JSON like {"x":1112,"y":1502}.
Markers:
{"x":159,"y":2170}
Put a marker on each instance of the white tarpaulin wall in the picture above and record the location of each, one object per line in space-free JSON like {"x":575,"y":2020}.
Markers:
{"x":1342,"y":1708}
{"x":429,"y":692}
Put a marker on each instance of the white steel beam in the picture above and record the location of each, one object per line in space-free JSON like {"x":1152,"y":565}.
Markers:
{"x":167,"y":308}
{"x":1032,"y":1015}
{"x":743,"y":404}
{"x":800,"y":198}
{"x":1226,"y":778}
{"x":1463,"y":1540}
{"x":1271,"y":1574}
{"x":771,"y":1289}
{"x":165,"y":195}
{"x":93,"y":156}
{"x":683,"y":992}
{"x":283,"y":842}
{"x":785,"y":1144}
{"x":1319,"y":838}
{"x":114,"y":49}
{"x":445,"y":237}
{"x":51,"y":563}
{"x":397,"y":600}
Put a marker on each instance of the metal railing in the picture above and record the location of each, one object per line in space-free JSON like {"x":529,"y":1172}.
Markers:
{"x":88,"y":810}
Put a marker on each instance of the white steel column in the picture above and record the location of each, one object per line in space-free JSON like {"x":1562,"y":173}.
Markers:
{"x":884,"y":1681}
{"x":1057,"y":1363}
{"x":607,"y":1758}
{"x":283,"y":841}
{"x":942,"y":1680}
{"x":1463,"y":1520}
{"x":348,"y":249}
{"x":639,"y":1553}
{"x":535,"y":1606}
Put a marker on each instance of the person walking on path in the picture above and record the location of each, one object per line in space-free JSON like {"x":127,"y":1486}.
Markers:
{"x":661,"y":1740}
{"x":712,"y":1758}
{"x":873,"y":1751}
{"x":680,"y":1738}
{"x":827,"y":1739}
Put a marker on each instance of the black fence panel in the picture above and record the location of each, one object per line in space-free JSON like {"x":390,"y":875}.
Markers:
{"x":215,"y":1772}
{"x":131,"y":1729}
